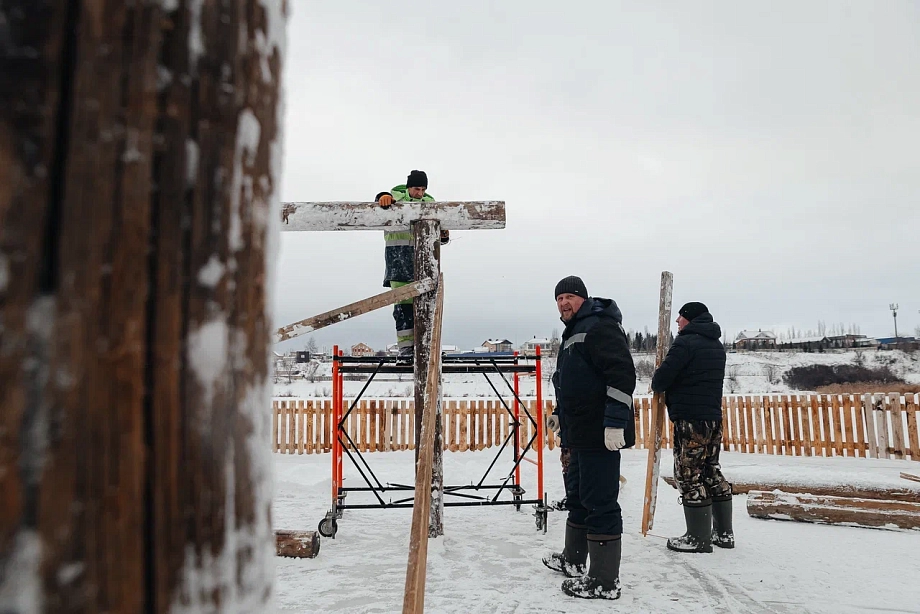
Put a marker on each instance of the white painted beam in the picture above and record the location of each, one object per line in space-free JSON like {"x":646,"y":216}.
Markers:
{"x":471,"y":215}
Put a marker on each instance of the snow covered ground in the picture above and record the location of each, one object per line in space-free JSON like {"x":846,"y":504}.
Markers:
{"x":489,"y":559}
{"x":746,"y":373}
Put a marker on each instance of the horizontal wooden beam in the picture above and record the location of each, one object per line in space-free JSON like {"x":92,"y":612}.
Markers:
{"x":849,"y":511}
{"x":472,"y":215}
{"x":358,"y":308}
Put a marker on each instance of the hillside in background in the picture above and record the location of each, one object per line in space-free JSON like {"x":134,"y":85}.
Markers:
{"x":746,"y":373}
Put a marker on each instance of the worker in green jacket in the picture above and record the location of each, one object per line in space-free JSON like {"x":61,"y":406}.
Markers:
{"x":400,"y":259}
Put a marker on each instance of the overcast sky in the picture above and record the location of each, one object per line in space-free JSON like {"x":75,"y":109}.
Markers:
{"x":765,"y":153}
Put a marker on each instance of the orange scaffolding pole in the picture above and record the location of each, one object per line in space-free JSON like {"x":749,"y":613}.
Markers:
{"x":335,"y":423}
{"x":539,"y":375}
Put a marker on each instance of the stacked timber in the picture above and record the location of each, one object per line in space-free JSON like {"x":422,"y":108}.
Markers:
{"x":822,"y":509}
{"x":906,"y":493}
{"x":877,"y":507}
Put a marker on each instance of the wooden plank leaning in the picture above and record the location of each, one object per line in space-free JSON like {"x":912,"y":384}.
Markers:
{"x":390,"y":297}
{"x":657,"y":412}
{"x":414,"y":598}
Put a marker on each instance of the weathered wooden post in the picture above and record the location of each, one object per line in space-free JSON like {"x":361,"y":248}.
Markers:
{"x":139,"y":179}
{"x":427,"y":234}
{"x":657,"y":412}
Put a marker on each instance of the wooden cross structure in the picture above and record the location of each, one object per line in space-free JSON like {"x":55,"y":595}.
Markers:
{"x":426,"y":220}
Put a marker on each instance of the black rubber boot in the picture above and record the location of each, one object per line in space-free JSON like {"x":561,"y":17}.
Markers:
{"x":571,"y":561}
{"x":603,"y":578}
{"x":722,"y":534}
{"x":406,"y":356}
{"x":698,"y":537}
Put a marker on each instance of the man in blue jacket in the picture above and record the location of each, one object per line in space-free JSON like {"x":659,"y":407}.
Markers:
{"x":691,"y":379}
{"x":594,"y":381}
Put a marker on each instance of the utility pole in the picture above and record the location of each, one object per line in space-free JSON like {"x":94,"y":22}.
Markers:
{"x":894,"y":313}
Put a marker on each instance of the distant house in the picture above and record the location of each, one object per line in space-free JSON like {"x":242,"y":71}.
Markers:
{"x":362,"y":350}
{"x":498,"y":345}
{"x":806,"y":344}
{"x":449,"y":349}
{"x":847,"y":341}
{"x":755,"y":340}
{"x":529,"y":347}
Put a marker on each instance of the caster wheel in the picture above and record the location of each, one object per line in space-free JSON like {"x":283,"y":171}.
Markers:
{"x":328,"y":527}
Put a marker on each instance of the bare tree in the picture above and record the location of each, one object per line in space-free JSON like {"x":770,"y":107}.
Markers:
{"x":310,"y":370}
{"x":771,"y":370}
{"x":645,"y":368}
{"x":731,"y":376}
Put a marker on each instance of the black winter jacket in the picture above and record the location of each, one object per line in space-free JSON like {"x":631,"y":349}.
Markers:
{"x":595,"y":377}
{"x":691,"y":375}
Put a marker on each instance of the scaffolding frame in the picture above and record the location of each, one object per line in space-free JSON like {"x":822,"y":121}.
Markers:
{"x":463,"y":495}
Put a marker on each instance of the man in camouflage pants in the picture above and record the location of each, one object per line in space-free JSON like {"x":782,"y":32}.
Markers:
{"x":691,"y":378}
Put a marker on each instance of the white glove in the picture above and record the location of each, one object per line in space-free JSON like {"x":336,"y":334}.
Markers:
{"x":552,"y":423}
{"x":614,"y":439}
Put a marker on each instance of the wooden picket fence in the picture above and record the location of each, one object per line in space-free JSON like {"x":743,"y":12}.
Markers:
{"x":876,"y":425}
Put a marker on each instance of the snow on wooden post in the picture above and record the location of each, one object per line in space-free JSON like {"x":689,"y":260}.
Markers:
{"x":427,"y":234}
{"x":138,"y":219}
{"x":657,"y":413}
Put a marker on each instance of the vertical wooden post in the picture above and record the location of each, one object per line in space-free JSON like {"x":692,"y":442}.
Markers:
{"x":427,"y":234}
{"x":657,"y":413}
{"x":138,"y":208}
{"x":416,"y":567}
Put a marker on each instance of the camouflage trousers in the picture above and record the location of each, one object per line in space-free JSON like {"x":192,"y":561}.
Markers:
{"x":565,"y":457}
{"x":697,"y":444}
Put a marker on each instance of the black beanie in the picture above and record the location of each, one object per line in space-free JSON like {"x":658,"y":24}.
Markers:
{"x":417,"y":179}
{"x":693,"y":310}
{"x":572,"y":285}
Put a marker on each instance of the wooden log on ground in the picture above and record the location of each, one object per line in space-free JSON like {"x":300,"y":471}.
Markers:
{"x":872,"y":513}
{"x":297,"y":544}
{"x":908,"y":494}
{"x":910,"y":476}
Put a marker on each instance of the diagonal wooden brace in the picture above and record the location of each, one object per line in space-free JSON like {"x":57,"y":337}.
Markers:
{"x":390,"y":297}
